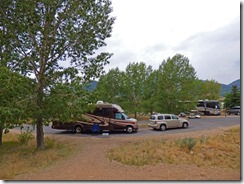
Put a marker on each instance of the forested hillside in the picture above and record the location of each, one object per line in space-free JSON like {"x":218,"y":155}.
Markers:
{"x":224,"y":88}
{"x":227,"y":88}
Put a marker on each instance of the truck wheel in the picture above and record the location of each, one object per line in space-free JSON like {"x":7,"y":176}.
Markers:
{"x":162,"y":127}
{"x":129,"y":129}
{"x":78,"y":129}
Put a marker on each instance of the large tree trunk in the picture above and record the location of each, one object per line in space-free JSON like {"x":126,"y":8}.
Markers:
{"x":1,"y":135}
{"x":39,"y":118}
{"x":135,"y":114}
{"x":39,"y":135}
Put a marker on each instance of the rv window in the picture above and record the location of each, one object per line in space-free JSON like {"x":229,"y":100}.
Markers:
{"x":107,"y":112}
{"x":118,"y":116}
{"x":97,"y":112}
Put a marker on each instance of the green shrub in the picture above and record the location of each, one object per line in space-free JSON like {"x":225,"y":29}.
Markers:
{"x":25,"y":136}
{"x":203,"y":139}
{"x":49,"y":143}
{"x":188,"y":143}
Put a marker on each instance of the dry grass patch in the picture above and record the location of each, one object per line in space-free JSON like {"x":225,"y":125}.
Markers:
{"x":143,"y":126}
{"x":17,"y":158}
{"x":221,"y":150}
{"x":140,"y":117}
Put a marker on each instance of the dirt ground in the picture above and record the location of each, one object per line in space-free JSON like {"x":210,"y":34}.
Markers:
{"x":90,"y":163}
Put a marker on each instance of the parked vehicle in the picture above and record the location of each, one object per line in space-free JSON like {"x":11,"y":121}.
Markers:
{"x":194,"y":114}
{"x":165,"y":121}
{"x":182,"y":114}
{"x":105,"y":117}
{"x":209,"y":107}
{"x":234,"y":110}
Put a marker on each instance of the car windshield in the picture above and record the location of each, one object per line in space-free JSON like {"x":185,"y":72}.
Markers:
{"x":125,"y":116}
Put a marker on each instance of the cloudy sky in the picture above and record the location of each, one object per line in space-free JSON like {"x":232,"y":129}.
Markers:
{"x":205,"y":31}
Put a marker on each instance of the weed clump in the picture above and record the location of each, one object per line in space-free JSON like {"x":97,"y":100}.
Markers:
{"x":187,"y":143}
{"x":220,"y":150}
{"x":25,"y":136}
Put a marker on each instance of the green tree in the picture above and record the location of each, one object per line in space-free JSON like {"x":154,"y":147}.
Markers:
{"x":210,"y":89}
{"x":126,"y":88}
{"x":135,"y":78}
{"x":109,"y":88}
{"x":53,"y":39}
{"x":150,"y":92}
{"x":15,"y":98}
{"x":5,"y":41}
{"x":177,"y":85}
{"x":233,"y":98}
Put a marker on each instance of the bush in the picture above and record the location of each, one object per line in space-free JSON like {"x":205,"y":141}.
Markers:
{"x":49,"y":143}
{"x":203,"y":139}
{"x":188,"y":143}
{"x":25,"y":136}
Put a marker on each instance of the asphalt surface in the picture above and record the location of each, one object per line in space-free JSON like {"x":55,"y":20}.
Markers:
{"x":204,"y":123}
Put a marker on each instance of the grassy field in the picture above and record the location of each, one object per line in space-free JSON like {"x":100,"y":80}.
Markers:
{"x":17,"y":157}
{"x":221,"y":150}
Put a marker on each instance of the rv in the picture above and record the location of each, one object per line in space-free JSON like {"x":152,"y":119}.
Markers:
{"x":209,"y":107}
{"x":105,"y":117}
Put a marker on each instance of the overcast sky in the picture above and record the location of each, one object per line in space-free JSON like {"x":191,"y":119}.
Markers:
{"x":205,"y":31}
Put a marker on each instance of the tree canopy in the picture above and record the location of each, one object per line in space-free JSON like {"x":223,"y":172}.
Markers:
{"x":233,"y":98}
{"x":53,"y":41}
{"x":177,"y":82}
{"x":16,"y":93}
{"x":172,"y":88}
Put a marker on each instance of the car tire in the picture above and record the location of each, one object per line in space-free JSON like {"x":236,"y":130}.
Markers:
{"x":163,"y":127}
{"x":78,"y":129}
{"x":185,"y":125}
{"x":129,"y":129}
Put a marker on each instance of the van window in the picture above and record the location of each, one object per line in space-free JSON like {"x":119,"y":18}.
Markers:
{"x":160,"y":117}
{"x":167,"y":117}
{"x":152,"y":117}
{"x":174,"y":117}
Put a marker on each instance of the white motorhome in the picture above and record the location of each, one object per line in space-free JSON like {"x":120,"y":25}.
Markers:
{"x":209,"y":107}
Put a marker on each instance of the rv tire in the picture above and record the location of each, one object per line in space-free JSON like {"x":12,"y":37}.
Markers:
{"x":78,"y":129}
{"x":129,"y":129}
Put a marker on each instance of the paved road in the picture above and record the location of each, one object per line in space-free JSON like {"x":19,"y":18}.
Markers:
{"x":204,"y":123}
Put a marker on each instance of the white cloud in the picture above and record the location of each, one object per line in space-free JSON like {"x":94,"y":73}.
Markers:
{"x":205,"y":31}
{"x":216,"y":54}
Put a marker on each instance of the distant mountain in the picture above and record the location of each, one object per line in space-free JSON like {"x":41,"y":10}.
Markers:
{"x":227,"y":88}
{"x":224,"y":88}
{"x":236,"y":83}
